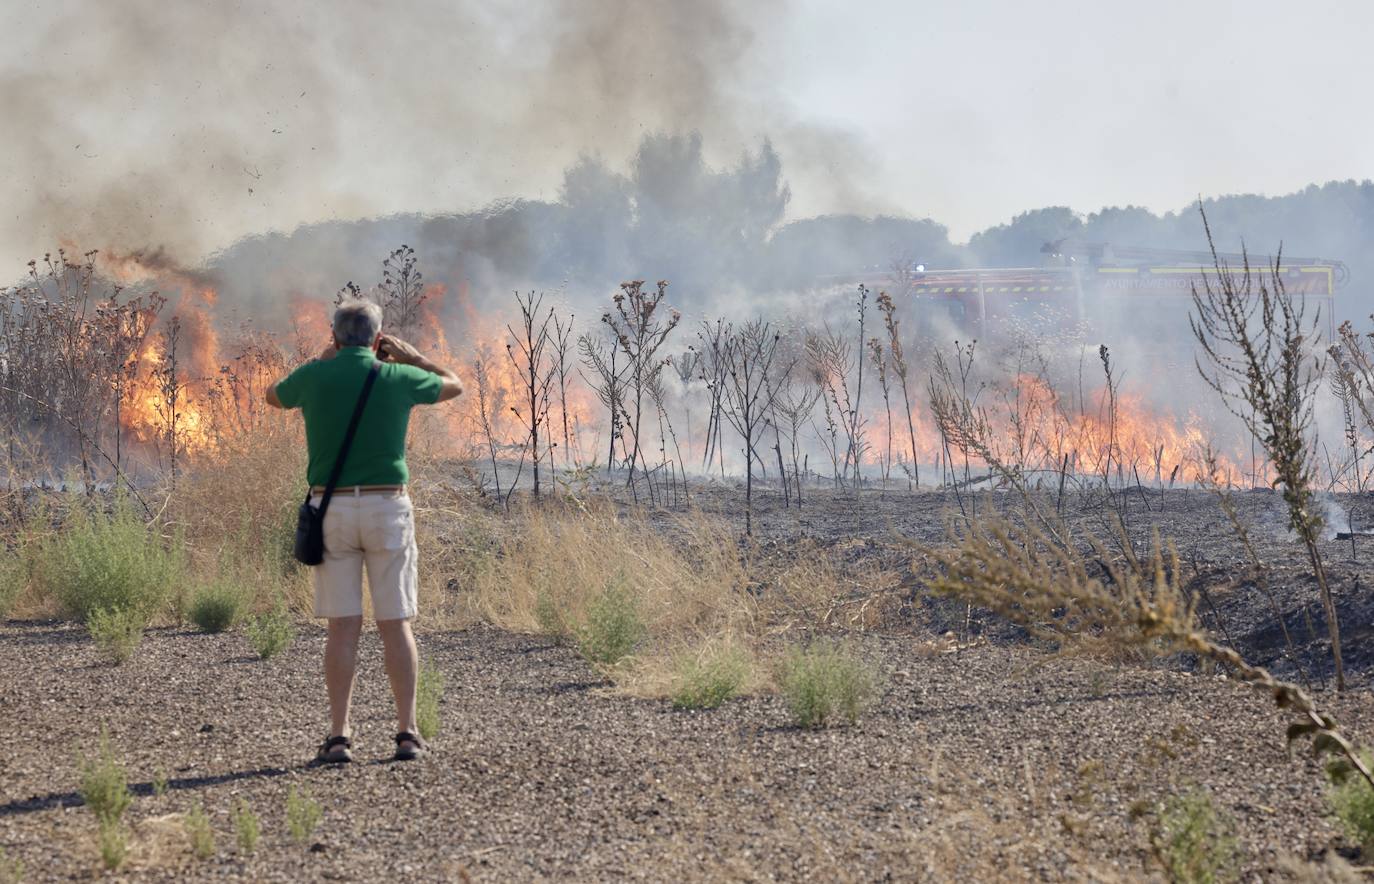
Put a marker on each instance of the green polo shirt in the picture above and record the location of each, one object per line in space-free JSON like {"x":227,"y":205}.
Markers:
{"x":326,"y":392}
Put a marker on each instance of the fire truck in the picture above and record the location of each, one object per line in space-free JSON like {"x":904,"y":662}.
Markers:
{"x":1097,"y":288}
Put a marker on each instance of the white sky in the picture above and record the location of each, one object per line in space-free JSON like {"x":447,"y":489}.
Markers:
{"x":153,"y":132}
{"x":979,"y":109}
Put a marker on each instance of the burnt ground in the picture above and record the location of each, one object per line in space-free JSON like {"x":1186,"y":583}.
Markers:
{"x":1237,"y":608}
{"x":998,"y":761}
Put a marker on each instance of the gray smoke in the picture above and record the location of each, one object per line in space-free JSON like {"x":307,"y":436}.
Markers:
{"x":145,"y":125}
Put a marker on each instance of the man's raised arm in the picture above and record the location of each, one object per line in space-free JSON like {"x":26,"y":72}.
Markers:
{"x":398,"y":350}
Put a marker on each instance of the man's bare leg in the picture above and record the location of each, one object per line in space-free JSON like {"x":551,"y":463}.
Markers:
{"x":402,"y":668}
{"x":340,"y":663}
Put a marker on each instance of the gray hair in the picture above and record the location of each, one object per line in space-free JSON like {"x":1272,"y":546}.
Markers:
{"x":357,"y":322}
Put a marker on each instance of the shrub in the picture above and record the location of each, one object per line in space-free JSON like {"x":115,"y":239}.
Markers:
{"x":1194,"y":842}
{"x":107,"y":562}
{"x":268,"y":545}
{"x":303,"y":814}
{"x":243,"y":497}
{"x":428,"y":693}
{"x":551,"y":565}
{"x":246,"y":828}
{"x":104,"y":784}
{"x":200,"y":833}
{"x":113,"y":847}
{"x":613,"y":627}
{"x":1352,"y":799}
{"x":271,"y":633}
{"x":824,"y":680}
{"x":117,"y":631}
{"x":160,"y":782}
{"x":704,"y":681}
{"x":549,"y":617}
{"x":215,"y":606}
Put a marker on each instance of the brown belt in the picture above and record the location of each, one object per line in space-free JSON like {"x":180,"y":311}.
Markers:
{"x":355,"y":490}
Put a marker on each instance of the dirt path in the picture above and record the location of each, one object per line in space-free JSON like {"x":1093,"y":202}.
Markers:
{"x":995,"y":762}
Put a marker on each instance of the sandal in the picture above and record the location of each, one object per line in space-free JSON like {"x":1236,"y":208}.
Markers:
{"x":416,"y":748}
{"x":335,"y":750}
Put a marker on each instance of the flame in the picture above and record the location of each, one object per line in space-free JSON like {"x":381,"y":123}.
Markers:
{"x":204,"y":399}
{"x":1125,"y":437}
{"x":216,"y":386}
{"x":507,"y":399}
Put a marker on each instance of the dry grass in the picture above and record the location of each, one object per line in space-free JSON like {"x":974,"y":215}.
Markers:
{"x":690,"y":669}
{"x":458,"y":539}
{"x":229,"y":518}
{"x":558,"y":566}
{"x":698,"y":592}
{"x":692,"y":582}
{"x":236,"y":509}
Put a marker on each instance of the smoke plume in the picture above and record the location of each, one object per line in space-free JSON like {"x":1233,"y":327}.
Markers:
{"x":184,"y":127}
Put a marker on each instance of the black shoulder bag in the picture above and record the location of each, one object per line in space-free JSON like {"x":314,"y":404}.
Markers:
{"x":310,"y":521}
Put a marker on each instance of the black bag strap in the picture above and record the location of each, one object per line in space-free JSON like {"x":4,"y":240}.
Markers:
{"x":348,"y":436}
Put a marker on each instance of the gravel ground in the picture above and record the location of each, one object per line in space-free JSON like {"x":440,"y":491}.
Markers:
{"x":992,"y":762}
{"x":989,"y":763}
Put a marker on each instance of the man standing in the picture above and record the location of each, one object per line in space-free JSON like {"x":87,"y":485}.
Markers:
{"x":369,"y":520}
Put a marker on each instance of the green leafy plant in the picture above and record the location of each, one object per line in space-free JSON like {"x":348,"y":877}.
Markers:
{"x":613,"y":628}
{"x":549,"y":617}
{"x":271,"y":633}
{"x":1194,"y":842}
{"x":429,"y":691}
{"x":108,"y":562}
{"x":824,"y":681}
{"x":200,"y":833}
{"x":105,"y":790}
{"x":160,"y":782}
{"x":104,"y":784}
{"x":704,"y":682}
{"x":113,"y":847}
{"x":303,"y":814}
{"x":215,"y":606}
{"x":1352,"y":799}
{"x":117,"y":632}
{"x":246,"y":827}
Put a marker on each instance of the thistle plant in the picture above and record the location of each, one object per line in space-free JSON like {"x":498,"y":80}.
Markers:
{"x":1260,"y":354}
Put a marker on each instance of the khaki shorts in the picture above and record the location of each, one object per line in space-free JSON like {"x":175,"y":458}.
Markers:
{"x":376,"y":530}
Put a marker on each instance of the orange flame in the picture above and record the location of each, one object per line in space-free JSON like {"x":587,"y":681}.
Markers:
{"x":218,"y":390}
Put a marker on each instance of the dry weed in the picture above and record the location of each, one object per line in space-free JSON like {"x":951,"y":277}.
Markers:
{"x":697,"y":590}
{"x":1260,"y":356}
{"x":458,"y":540}
{"x":238,"y":506}
{"x":691,"y":581}
{"x":699,"y":671}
